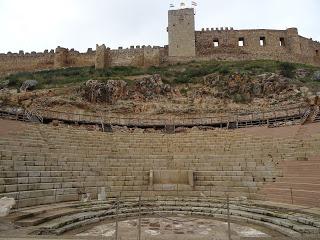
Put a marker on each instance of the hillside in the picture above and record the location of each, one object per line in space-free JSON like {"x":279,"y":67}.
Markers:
{"x":191,"y":88}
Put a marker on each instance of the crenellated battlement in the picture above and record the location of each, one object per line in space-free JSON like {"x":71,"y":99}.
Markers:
{"x":217,"y":29}
{"x":185,"y":44}
{"x":26,"y":54}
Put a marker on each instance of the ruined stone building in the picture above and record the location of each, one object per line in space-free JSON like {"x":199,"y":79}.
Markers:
{"x":185,"y":44}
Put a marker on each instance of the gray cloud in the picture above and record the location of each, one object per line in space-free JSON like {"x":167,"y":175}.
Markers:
{"x":35,"y":25}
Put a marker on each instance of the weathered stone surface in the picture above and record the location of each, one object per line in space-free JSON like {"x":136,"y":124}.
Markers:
{"x":29,"y":85}
{"x":4,"y":84}
{"x":248,"y":86}
{"x":110,"y":91}
{"x":150,"y":87}
{"x":5,"y":206}
{"x":301,"y":73}
{"x":316,"y":76}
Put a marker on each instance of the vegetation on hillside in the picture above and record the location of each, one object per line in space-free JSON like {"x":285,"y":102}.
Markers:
{"x":187,"y":73}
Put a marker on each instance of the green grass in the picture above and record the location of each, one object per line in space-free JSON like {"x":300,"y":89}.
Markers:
{"x":182,"y":73}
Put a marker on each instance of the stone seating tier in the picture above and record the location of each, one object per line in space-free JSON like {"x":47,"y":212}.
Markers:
{"x":44,"y":164}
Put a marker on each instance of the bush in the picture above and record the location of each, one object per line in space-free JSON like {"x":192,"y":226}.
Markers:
{"x":240,"y":98}
{"x":224,"y":70}
{"x":182,"y":79}
{"x":184,"y":91}
{"x":287,"y":69}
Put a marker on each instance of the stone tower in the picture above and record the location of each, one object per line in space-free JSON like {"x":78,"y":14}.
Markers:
{"x":61,"y":57}
{"x":181,"y":32}
{"x":294,"y":40}
{"x":102,"y":60}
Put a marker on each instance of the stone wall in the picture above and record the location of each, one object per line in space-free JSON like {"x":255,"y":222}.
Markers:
{"x":181,"y":33}
{"x":282,"y":45}
{"x":29,"y":62}
{"x":72,"y":58}
{"x":185,"y":44}
{"x":139,"y":56}
{"x":102,"y":59}
{"x":14,"y":62}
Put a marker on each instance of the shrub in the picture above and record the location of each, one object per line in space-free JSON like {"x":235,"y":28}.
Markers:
{"x":182,"y":79}
{"x":240,"y":98}
{"x":287,"y":69}
{"x":184,"y":91}
{"x":224,"y":70}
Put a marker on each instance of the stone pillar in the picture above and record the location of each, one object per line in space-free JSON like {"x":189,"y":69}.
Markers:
{"x":103,"y":58}
{"x":294,"y":41}
{"x":61,"y":57}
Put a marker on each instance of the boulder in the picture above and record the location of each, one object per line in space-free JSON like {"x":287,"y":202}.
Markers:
{"x":301,"y":73}
{"x":273,"y":83}
{"x":28,"y":85}
{"x":212,"y":80}
{"x":316,"y":76}
{"x":4,"y":84}
{"x":5,"y":206}
{"x":110,"y":91}
{"x":151,"y":86}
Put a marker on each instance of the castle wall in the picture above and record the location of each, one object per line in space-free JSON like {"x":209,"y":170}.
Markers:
{"x":223,"y":44}
{"x":127,"y":57}
{"x":29,"y":62}
{"x":82,"y":59}
{"x":71,"y":58}
{"x":13,"y":62}
{"x":136,"y":56}
{"x":185,"y":44}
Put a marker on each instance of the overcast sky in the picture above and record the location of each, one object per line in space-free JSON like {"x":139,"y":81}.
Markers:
{"x":36,"y":25}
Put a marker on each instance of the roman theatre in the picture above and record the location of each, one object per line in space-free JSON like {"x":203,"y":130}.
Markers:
{"x":228,"y":175}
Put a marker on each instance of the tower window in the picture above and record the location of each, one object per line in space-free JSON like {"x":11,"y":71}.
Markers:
{"x":241,"y":42}
{"x":262,"y":41}
{"x":282,"y":42}
{"x":216,"y":43}
{"x":317,"y":52}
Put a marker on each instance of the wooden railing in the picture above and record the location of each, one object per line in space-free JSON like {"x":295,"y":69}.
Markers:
{"x":234,"y":119}
{"x":213,"y":119}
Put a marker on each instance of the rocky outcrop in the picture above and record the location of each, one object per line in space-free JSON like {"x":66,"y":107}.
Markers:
{"x":98,"y":91}
{"x":4,"y":84}
{"x":28,"y":85}
{"x":110,"y":91}
{"x":248,"y":87}
{"x":316,"y":76}
{"x":150,"y":87}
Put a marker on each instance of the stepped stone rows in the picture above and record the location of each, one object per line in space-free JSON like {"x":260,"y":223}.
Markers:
{"x":42,"y":165}
{"x":61,"y":218}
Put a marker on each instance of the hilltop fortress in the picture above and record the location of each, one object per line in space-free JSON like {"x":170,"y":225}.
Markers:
{"x":185,"y":44}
